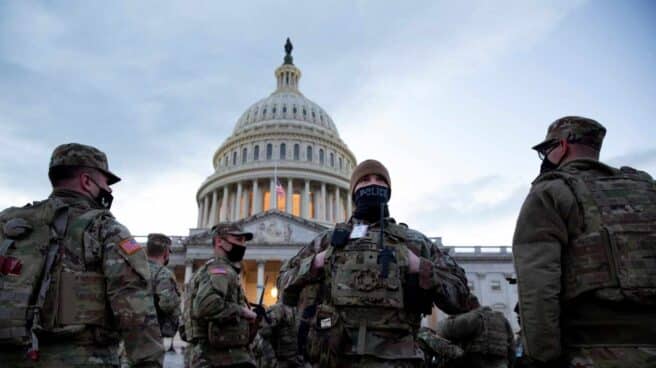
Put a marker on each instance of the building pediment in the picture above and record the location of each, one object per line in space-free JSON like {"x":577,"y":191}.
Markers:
{"x":278,"y":228}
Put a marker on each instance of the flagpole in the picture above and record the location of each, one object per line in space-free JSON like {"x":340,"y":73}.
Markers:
{"x":275,"y":185}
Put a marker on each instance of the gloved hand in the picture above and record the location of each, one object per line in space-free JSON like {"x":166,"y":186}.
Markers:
{"x":259,"y":310}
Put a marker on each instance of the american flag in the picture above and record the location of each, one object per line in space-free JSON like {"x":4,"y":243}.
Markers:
{"x":280,"y":191}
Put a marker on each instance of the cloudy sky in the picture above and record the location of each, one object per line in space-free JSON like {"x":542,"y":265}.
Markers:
{"x":449,"y":95}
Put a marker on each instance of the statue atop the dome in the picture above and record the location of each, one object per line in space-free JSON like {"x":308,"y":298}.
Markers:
{"x":288,"y":52}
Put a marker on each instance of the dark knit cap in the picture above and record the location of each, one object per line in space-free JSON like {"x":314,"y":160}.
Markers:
{"x":369,"y":167}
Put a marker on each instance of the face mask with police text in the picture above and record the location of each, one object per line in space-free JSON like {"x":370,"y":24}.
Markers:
{"x":369,"y":201}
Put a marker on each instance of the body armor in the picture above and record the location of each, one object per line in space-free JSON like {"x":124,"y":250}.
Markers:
{"x":615,"y":255}
{"x":493,"y":337}
{"x":361,"y":310}
{"x":52,"y":284}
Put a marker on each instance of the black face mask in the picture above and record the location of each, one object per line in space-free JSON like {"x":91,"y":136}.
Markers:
{"x":547,"y":166}
{"x":166,"y":261}
{"x":235,"y":254}
{"x":369,"y":201}
{"x":104,"y":197}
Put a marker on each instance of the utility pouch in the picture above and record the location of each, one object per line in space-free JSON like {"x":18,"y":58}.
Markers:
{"x":228,"y":335}
{"x":326,"y":336}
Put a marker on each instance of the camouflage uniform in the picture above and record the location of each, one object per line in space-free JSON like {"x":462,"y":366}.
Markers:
{"x":585,"y":259}
{"x":438,"y":351}
{"x":440,"y":280}
{"x":484,"y":334}
{"x":220,"y":336}
{"x":99,"y":291}
{"x":281,"y":334}
{"x":167,"y":297}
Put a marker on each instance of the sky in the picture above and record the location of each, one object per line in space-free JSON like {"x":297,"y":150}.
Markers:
{"x":450,"y":96}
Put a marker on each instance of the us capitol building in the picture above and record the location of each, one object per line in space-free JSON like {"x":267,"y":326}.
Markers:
{"x":283,"y":174}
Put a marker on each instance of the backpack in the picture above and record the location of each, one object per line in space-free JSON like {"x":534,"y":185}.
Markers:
{"x":168,"y":324}
{"x":29,"y":243}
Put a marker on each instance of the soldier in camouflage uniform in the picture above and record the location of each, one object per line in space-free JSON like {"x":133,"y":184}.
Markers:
{"x":221,"y":324}
{"x":585,"y":255}
{"x":164,"y":285}
{"x":280,"y":331}
{"x":373,"y":281}
{"x":484,"y":334}
{"x":94,"y":290}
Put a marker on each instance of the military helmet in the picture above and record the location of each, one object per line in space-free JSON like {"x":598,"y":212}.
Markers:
{"x":230,"y":228}
{"x":76,"y":154}
{"x":575,"y":129}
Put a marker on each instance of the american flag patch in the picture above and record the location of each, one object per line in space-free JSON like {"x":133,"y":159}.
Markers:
{"x":129,"y":246}
{"x":218,"y":271}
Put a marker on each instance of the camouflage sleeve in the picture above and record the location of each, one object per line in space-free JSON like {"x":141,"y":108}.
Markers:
{"x":540,"y":234}
{"x":130,"y":299}
{"x":210,"y":302}
{"x":440,"y":273}
{"x":460,"y":327}
{"x":298,"y":274}
{"x":168,"y":295}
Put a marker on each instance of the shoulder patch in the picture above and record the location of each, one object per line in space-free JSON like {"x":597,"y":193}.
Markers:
{"x":129,"y":246}
{"x":218,"y":271}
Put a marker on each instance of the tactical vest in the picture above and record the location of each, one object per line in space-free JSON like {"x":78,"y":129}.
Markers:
{"x":168,"y":323}
{"x":190,"y":331}
{"x":360,"y":304}
{"x":45,"y":286}
{"x":615,"y":255}
{"x":493,"y":338}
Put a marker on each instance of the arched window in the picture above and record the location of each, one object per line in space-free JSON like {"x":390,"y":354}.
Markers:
{"x":269,"y":152}
{"x":321,"y":156}
{"x":297,"y":151}
{"x":283,"y":151}
{"x":256,"y":153}
{"x":225,"y":160}
{"x":308,"y":154}
{"x":332,"y":160}
{"x":340,"y":163}
{"x":244,"y":154}
{"x":234,"y":158}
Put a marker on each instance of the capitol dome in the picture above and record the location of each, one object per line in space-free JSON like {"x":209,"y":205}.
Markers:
{"x":284,"y":144}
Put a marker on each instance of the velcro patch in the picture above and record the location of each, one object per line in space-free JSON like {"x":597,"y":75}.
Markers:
{"x":218,"y":271}
{"x":129,"y":246}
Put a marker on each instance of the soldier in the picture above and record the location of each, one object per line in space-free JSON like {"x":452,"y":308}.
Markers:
{"x":280,"y":330}
{"x":585,"y":255}
{"x":74,"y":281}
{"x":485,"y":336}
{"x":164,"y":286}
{"x":221,"y":325}
{"x":372,"y":289}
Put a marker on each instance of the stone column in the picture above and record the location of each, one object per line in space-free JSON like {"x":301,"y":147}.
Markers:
{"x":206,"y":211}
{"x":260,"y":278}
{"x":322,"y":212}
{"x":212,"y":220}
{"x":238,"y":202}
{"x":290,"y":194}
{"x":273,"y":200}
{"x":257,"y":200}
{"x":224,"y":205}
{"x":305,"y":201}
{"x":189,"y":270}
{"x":199,"y":220}
{"x":317,"y":204}
{"x":247,"y":202}
{"x":338,"y":210}
{"x":330,"y":214}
